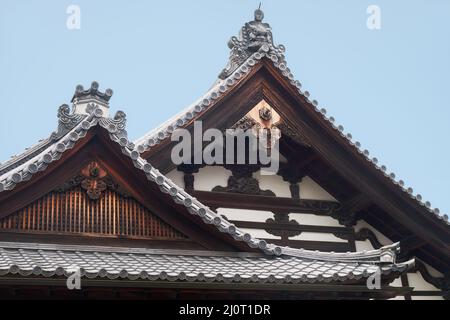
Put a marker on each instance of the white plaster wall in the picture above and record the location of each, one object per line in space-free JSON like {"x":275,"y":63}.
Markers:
{"x":262,"y":216}
{"x":316,"y":236}
{"x":419,"y":284}
{"x":274,"y":183}
{"x":397,"y":283}
{"x":245,"y":215}
{"x":363,"y":245}
{"x":309,"y":189}
{"x":426,"y":298}
{"x":366,"y":245}
{"x":314,"y":220}
{"x":177,"y":177}
{"x":261,"y":234}
{"x":433,"y":271}
{"x":249,"y":215}
{"x":211,"y":176}
{"x":415,"y":280}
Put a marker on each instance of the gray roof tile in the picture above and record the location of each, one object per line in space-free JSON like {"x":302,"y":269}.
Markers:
{"x":147,"y":264}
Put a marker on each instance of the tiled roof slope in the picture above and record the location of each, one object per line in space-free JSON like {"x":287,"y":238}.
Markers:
{"x":117,"y":134}
{"x":167,"y":265}
{"x":247,"y":61}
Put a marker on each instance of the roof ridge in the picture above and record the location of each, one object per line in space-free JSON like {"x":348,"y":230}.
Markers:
{"x":130,"y":250}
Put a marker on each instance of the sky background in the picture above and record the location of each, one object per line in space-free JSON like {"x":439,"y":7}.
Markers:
{"x":390,"y":88}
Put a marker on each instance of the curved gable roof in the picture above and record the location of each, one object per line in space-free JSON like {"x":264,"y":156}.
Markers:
{"x":116,"y":130}
{"x":242,"y":71}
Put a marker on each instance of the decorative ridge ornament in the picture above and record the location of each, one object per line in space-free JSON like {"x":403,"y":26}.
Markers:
{"x":92,"y":92}
{"x":93,"y":180}
{"x":66,"y":122}
{"x":255,"y":36}
{"x":83,"y":98}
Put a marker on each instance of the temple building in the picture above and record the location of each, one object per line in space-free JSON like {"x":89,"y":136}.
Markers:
{"x":330,"y":223}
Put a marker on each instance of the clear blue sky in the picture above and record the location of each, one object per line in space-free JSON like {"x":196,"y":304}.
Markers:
{"x":390,"y":88}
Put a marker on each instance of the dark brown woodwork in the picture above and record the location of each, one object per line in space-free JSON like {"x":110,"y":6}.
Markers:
{"x":292,"y":227}
{"x":324,"y":175}
{"x":297,"y":167}
{"x":410,"y":244}
{"x":349,"y":173}
{"x":242,"y":181}
{"x":442,"y":283}
{"x":405,"y":283}
{"x":396,"y":232}
{"x":356,"y":203}
{"x":213,"y":118}
{"x":264,"y":203}
{"x":295,"y":170}
{"x":362,"y":235}
{"x":98,"y":240}
{"x":189,"y":170}
{"x":326,"y":246}
{"x":350,"y":163}
{"x":366,"y":234}
{"x":74,"y":212}
{"x":347,"y":213}
{"x":279,"y":226}
{"x":97,"y":146}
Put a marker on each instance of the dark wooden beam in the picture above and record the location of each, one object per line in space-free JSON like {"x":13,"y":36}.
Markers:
{"x":264,"y":203}
{"x":357,"y":203}
{"x":97,"y":146}
{"x":103,"y":240}
{"x":301,"y":287}
{"x":326,"y":246}
{"x":410,"y":243}
{"x":347,"y":214}
{"x":291,"y":227}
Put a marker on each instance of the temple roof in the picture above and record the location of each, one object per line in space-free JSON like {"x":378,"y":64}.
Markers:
{"x":246,"y":54}
{"x":244,"y":57}
{"x":28,"y":259}
{"x":116,"y":130}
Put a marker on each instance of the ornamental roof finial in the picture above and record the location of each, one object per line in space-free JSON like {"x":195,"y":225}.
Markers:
{"x":259,"y":14}
{"x":83,"y":97}
{"x":255,"y":37}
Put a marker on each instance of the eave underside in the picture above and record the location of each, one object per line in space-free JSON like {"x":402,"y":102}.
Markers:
{"x":43,"y":288}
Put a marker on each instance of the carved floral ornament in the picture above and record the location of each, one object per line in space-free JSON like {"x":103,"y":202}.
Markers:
{"x":93,"y":183}
{"x":94,"y":179}
{"x":263,"y":121}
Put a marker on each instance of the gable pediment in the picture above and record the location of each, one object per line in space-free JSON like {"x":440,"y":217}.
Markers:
{"x":335,"y":161}
{"x":93,"y":178}
{"x":91,"y":203}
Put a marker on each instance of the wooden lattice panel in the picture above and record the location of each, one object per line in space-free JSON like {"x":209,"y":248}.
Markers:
{"x":73,"y":211}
